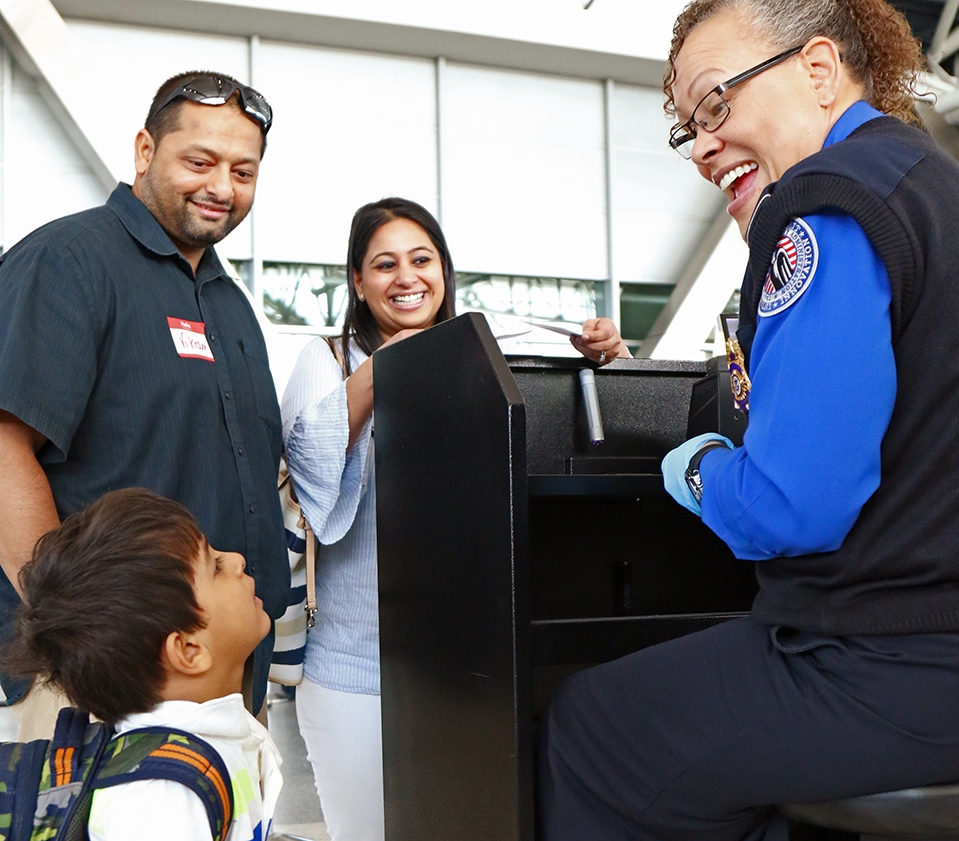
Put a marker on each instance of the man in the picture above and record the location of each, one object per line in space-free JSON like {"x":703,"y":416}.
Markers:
{"x":128,"y":357}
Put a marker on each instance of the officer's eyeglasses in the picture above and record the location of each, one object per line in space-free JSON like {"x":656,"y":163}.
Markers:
{"x":215,"y":90}
{"x":713,"y":109}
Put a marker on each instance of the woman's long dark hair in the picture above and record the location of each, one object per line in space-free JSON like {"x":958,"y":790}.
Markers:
{"x":359,"y":324}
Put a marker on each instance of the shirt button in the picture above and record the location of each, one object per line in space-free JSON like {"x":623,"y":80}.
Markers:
{"x":252,"y":508}
{"x":240,"y":450}
{"x":212,"y":337}
{"x":226,"y":395}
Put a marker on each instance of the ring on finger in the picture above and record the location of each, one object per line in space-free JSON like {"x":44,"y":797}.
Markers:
{"x":602,"y":358}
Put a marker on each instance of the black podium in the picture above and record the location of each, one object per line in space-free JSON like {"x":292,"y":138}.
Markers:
{"x":513,"y":552}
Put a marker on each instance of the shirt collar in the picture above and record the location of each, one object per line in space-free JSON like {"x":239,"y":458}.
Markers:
{"x":854,"y":116}
{"x":144,"y":228}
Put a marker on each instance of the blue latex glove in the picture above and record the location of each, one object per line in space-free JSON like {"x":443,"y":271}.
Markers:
{"x":675,"y":464}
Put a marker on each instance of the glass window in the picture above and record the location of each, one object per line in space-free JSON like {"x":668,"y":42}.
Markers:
{"x":313,"y":296}
{"x":304,"y":295}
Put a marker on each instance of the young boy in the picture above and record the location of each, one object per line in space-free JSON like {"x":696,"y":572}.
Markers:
{"x":140,"y":621}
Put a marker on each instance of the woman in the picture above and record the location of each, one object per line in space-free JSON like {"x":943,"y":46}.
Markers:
{"x":843,"y":680}
{"x":400,"y":279}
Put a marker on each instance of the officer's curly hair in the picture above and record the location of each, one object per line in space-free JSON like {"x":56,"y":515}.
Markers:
{"x":875,"y":40}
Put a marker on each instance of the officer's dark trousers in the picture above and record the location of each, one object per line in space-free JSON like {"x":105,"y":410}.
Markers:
{"x":696,"y":738}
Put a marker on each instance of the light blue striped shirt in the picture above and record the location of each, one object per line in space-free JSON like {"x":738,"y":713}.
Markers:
{"x":337,"y":493}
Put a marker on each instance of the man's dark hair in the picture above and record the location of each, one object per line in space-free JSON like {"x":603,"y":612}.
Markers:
{"x":102,"y":593}
{"x":359,"y":324}
{"x":161,"y":121}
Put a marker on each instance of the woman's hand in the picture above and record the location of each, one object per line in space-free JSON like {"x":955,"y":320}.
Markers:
{"x":402,"y":334}
{"x":600,"y":341}
{"x":359,"y":389}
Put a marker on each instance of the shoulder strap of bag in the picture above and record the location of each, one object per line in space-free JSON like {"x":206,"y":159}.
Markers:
{"x":304,"y":523}
{"x":32,"y":776}
{"x":337,"y":355}
{"x":162,"y":753}
{"x":310,"y":541}
{"x":310,"y":574}
{"x":285,"y":483}
{"x":62,"y":793}
{"x":21,"y":767}
{"x":56,"y":779}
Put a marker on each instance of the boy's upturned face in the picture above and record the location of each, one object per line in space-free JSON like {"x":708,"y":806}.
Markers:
{"x":234,"y":615}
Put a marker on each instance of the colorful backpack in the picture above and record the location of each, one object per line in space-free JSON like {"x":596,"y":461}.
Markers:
{"x":47,"y":786}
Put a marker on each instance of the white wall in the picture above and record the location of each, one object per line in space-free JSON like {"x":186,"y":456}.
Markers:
{"x":42,"y":176}
{"x":353,"y":128}
{"x":523,"y":182}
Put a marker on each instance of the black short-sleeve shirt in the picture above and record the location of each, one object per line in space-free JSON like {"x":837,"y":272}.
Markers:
{"x":102,"y":328}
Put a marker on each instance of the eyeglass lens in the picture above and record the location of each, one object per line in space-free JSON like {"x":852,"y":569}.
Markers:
{"x":711,"y":112}
{"x":708,"y":115}
{"x":208,"y":88}
{"x":255,"y":101}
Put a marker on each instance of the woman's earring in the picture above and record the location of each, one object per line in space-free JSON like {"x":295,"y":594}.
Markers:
{"x":360,"y":296}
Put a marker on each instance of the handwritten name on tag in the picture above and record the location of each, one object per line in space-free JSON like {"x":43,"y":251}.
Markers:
{"x":189,"y":339}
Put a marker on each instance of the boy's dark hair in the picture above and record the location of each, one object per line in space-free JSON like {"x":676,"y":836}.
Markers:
{"x":102,"y":593}
{"x":161,"y":121}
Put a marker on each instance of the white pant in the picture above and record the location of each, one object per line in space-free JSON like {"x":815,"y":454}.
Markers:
{"x":344,"y":743}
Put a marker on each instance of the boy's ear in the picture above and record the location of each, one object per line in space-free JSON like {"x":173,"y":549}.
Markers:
{"x":185,"y":653}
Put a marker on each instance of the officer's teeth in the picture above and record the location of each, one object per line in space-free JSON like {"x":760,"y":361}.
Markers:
{"x":733,"y":174}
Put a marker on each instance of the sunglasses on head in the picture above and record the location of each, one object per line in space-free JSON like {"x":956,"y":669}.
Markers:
{"x":208,"y":89}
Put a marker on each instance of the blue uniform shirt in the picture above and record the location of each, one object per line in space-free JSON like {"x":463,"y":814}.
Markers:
{"x":823,"y":388}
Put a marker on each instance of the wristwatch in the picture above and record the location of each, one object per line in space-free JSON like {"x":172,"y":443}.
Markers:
{"x":694,"y":479}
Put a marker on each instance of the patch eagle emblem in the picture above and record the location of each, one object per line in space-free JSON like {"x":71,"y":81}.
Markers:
{"x":792,"y":269}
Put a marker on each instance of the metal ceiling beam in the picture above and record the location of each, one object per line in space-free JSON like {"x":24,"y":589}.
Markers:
{"x":43,"y":47}
{"x":711,"y":277}
{"x":342,"y":26}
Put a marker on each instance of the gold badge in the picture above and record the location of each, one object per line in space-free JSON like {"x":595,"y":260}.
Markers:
{"x":738,"y":378}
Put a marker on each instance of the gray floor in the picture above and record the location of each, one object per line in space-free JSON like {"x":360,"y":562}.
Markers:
{"x":298,"y":811}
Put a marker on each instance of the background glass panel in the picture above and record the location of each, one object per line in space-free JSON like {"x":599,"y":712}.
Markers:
{"x":524,"y":173}
{"x":662,"y":206}
{"x":350,"y":128}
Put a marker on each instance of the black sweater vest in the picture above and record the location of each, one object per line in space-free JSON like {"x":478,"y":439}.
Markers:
{"x":897,"y":571}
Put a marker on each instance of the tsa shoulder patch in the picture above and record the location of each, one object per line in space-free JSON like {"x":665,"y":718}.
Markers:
{"x":792,"y":269}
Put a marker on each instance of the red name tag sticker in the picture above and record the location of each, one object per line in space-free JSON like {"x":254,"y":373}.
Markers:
{"x":189,"y":339}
